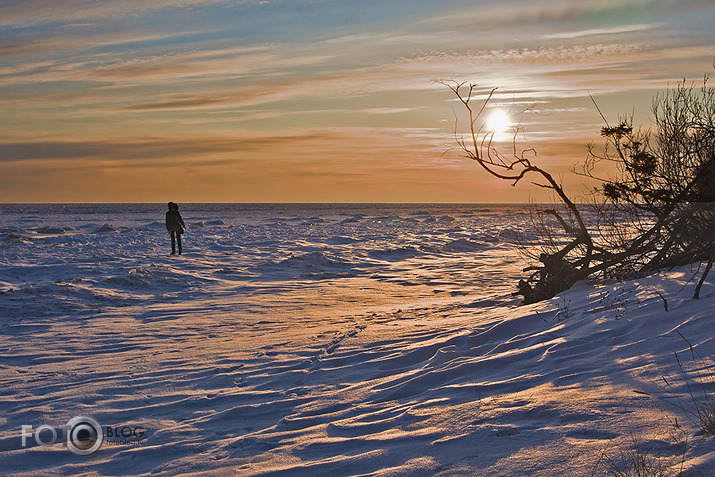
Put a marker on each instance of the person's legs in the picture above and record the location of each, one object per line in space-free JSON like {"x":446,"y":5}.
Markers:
{"x":178,"y":240}
{"x":173,"y":242}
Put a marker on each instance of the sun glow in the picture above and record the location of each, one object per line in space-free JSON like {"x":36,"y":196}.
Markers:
{"x":498,"y":122}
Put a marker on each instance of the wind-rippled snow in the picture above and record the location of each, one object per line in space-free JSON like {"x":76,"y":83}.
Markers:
{"x":331,"y":339}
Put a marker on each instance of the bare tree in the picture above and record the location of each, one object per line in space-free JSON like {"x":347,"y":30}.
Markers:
{"x":656,"y":211}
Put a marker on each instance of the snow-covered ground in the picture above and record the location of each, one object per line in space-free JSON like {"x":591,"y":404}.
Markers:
{"x":335,"y":340}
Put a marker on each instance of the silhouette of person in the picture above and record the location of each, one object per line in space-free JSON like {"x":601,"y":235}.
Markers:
{"x":175,"y":226}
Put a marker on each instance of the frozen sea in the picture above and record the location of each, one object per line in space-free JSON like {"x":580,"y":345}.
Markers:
{"x":332,"y":339}
{"x":272,"y":257}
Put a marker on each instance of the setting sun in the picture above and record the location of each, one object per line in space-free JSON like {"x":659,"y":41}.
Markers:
{"x":498,"y":122}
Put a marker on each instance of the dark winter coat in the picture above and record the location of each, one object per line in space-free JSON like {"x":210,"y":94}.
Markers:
{"x":174,"y":222}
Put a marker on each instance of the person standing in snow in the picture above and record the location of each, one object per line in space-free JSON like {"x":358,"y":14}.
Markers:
{"x":175,"y":226}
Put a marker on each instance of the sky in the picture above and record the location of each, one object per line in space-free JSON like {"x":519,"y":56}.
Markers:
{"x":319,"y":100}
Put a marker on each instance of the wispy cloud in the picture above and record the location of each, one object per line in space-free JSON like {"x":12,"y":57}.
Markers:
{"x":602,"y":31}
{"x":29,"y":13}
{"x":522,"y":13}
